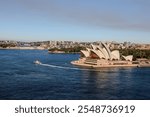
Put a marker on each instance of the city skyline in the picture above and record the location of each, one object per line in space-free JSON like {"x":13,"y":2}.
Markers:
{"x":80,"y":20}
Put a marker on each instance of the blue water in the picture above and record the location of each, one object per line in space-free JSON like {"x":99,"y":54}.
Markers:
{"x":21,"y":79}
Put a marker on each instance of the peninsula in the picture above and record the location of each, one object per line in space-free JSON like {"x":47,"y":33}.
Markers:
{"x":99,"y":56}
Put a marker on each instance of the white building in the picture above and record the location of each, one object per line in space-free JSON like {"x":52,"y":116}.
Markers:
{"x":103,"y":52}
{"x":101,"y":56}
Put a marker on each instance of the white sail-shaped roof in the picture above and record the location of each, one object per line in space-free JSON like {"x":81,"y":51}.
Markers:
{"x":98,"y":53}
{"x":88,"y":50}
{"x":85,"y":53}
{"x":128,"y":58}
{"x":106,"y":54}
{"x":107,"y":51}
{"x":115,"y":54}
{"x":93,"y":46}
{"x":102,"y":51}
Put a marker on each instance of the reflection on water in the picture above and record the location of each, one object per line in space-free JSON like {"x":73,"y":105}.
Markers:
{"x":21,"y":79}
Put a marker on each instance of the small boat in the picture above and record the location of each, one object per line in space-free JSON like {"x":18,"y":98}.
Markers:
{"x":37,"y":62}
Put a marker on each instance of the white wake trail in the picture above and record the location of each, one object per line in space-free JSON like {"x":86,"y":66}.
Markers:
{"x":61,"y":67}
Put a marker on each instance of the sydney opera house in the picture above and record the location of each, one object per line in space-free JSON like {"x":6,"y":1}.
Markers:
{"x":101,"y":56}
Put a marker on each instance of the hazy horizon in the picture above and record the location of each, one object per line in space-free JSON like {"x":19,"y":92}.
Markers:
{"x":75,"y":20}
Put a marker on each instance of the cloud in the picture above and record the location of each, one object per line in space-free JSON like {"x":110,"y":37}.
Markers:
{"x":125,"y":14}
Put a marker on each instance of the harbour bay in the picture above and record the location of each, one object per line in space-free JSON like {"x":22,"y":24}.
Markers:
{"x":21,"y":79}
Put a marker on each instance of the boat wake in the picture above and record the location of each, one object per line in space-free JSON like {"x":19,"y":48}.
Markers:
{"x":61,"y":67}
{"x":75,"y":68}
{"x":69,"y":68}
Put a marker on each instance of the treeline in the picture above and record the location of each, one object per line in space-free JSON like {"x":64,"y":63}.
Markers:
{"x":7,"y":45}
{"x":136,"y":53}
{"x":68,"y":50}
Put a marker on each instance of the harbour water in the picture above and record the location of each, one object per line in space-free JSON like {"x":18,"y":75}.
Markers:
{"x":20,"y":78}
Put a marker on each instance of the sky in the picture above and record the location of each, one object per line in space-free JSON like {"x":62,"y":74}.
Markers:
{"x":75,"y":20}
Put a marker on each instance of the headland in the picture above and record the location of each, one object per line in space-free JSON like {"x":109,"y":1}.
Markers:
{"x":100,"y":56}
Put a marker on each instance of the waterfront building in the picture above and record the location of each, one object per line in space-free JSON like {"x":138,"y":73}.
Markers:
{"x":102,"y":56}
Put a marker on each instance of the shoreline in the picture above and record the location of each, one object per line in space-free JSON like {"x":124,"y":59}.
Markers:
{"x":23,"y":48}
{"x":61,"y":52}
{"x":101,"y":66}
{"x":96,"y":65}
